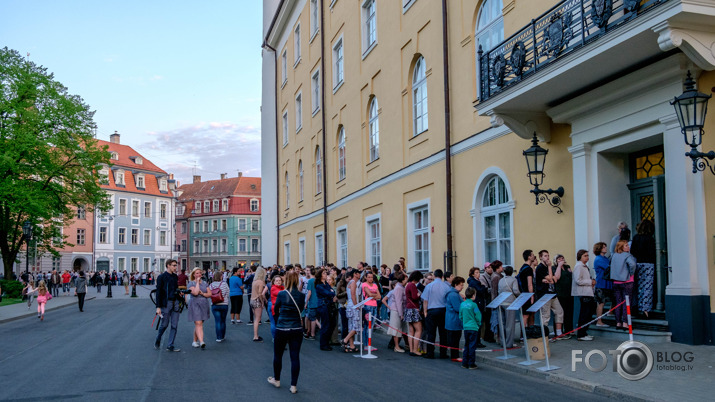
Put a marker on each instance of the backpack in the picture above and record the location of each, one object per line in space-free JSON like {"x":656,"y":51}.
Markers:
{"x":519,"y":279}
{"x":216,"y":295}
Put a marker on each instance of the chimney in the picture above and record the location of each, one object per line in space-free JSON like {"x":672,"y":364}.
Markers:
{"x":240,"y":174}
{"x":223,"y":176}
{"x":171,"y":176}
{"x":197,"y":179}
{"x":114,"y":138}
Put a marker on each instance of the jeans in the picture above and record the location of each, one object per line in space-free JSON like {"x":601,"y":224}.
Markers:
{"x":622,"y":290}
{"x":220,"y":311}
{"x":588,"y":307}
{"x":434,"y":322}
{"x":170,"y":315}
{"x":270,"y":317}
{"x":326,"y":326}
{"x":65,"y":287}
{"x":343,"y":322}
{"x":293,"y":338}
{"x":470,"y":346}
{"x":99,"y":288}
{"x":365,"y":325}
{"x":80,"y":300}
{"x":55,"y":289}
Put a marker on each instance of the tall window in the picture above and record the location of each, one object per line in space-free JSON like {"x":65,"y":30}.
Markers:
{"x":147,"y":209}
{"x":122,"y":237}
{"x":135,"y":208}
{"x":298,"y":112}
{"x":284,"y":66}
{"x":242,"y":224}
{"x":242,"y":245}
{"x":123,"y":207}
{"x":285,"y":128}
{"x":315,"y":90}
{"x":183,"y":245}
{"x":296,"y":44}
{"x":224,"y":225}
{"x":254,"y":246}
{"x":135,"y":236}
{"x":286,"y":253}
{"x":206,"y":226}
{"x":119,"y":178}
{"x":301,"y":252}
{"x":215,"y":202}
{"x":121,"y":264}
{"x":318,"y":171}
{"x":370,"y":21}
{"x":224,"y":205}
{"x":214,"y":225}
{"x":147,"y":237}
{"x":162,"y":211}
{"x":341,"y":154}
{"x":183,"y":227}
{"x":223,"y":245}
{"x":103,"y":234}
{"x":419,"y":97}
{"x":197,"y":207}
{"x":197,"y":247}
{"x":134,"y":262}
{"x":140,"y":181}
{"x":375,"y":249}
{"x":162,"y":238}
{"x":490,"y":28}
{"x":254,"y":225}
{"x":287,"y":192}
{"x":343,"y":248}
{"x":147,"y":264}
{"x":374,"y":131}
{"x":197,"y":227}
{"x":319,"y":249}
{"x":81,"y":212}
{"x":313,"y":17}
{"x":496,"y":221}
{"x":163,"y":186}
{"x":420,"y":234}
{"x":207,"y":207}
{"x":80,"y":237}
{"x":338,"y":63}
{"x":254,"y":205}
{"x":300,"y":181}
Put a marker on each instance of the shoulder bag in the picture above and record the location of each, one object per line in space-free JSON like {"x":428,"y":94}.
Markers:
{"x":216,"y":295}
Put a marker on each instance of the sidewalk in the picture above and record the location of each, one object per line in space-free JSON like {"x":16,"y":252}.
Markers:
{"x":20,"y":310}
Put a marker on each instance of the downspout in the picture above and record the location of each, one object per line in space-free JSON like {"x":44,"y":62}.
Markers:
{"x":275,"y":101}
{"x":322,"y":114}
{"x":447,"y":135}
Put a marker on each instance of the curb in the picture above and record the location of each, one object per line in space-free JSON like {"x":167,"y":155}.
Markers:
{"x":32,"y":313}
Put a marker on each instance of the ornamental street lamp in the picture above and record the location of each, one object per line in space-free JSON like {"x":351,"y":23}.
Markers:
{"x":27,"y":234}
{"x":691,"y":108}
{"x":535,"y":161}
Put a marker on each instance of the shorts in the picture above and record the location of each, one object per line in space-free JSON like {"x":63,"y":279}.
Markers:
{"x":412,"y":315}
{"x":256,"y":303}
{"x":602,"y":294}
{"x":353,"y":315}
{"x":312,"y":314}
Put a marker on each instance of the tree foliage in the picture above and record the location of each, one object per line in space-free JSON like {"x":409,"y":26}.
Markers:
{"x":48,"y":157}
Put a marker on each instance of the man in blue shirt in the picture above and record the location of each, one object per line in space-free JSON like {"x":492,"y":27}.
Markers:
{"x":311,"y":300}
{"x":235,"y":284}
{"x":434,"y":308}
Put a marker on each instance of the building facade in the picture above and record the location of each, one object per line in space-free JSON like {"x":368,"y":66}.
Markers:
{"x":219,"y":222}
{"x":397,"y":129}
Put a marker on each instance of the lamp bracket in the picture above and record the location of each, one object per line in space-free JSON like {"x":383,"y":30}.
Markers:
{"x":700,"y":160}
{"x":553,"y":197}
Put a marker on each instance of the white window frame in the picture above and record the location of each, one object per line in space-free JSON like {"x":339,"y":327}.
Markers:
{"x":121,"y":264}
{"x":242,"y":245}
{"x":300,"y":181}
{"x":298,"y":112}
{"x":135,"y":208}
{"x":140,"y":181}
{"x":285,"y":128}
{"x":315,"y":91}
{"x":296,"y":45}
{"x":81,"y":237}
{"x":122,"y":235}
{"x":373,"y":258}
{"x":146,"y":264}
{"x":207,"y":206}
{"x":255,"y":205}
{"x":287,"y":188}
{"x":286,"y":253}
{"x":224,"y":205}
{"x":319,"y":245}
{"x":374,"y":129}
{"x":197,"y":246}
{"x":197,"y":227}
{"x":284,"y":67}
{"x":242,"y":225}
{"x":255,"y":225}
{"x":216,"y":206}
{"x":162,"y":237}
{"x":481,"y":31}
{"x":163,"y":207}
{"x":103,"y":231}
{"x":134,"y":233}
{"x":318,"y":171}
{"x":411,"y":233}
{"x":369,"y":26}
{"x":342,"y":255}
{"x":342,"y":166}
{"x":122,"y":207}
{"x":146,"y":238}
{"x":478,"y":213}
{"x":420,"y":122}
{"x":163,"y":185}
{"x":257,"y":243}
{"x":314,"y":19}
{"x":114,"y":156}
{"x":301,"y":251}
{"x":224,"y":225}
{"x":338,"y":64}
{"x":147,"y":209}
{"x":224,"y":245}
{"x":134,"y":264}
{"x":119,"y":178}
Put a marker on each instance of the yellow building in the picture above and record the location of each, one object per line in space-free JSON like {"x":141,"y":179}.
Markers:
{"x":369,"y":156}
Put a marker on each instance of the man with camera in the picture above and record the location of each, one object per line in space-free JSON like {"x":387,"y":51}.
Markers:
{"x":168,"y":304}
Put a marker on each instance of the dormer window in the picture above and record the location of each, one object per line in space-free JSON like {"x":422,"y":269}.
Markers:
{"x":119,"y":177}
{"x":140,"y":181}
{"x":104,"y":175}
{"x":224,"y":205}
{"x":197,"y":207}
{"x":254,"y":205}
{"x":163,"y":185}
{"x":138,"y":160}
{"x":207,"y":207}
{"x":115,"y":156}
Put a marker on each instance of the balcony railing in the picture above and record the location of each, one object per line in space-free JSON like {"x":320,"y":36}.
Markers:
{"x":565,"y":28}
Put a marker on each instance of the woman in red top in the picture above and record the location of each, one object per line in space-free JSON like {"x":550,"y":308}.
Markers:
{"x":412,"y":312}
{"x":276,"y":287}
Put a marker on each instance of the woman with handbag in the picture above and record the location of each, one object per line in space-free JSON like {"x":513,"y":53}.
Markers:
{"x":623,"y":268}
{"x":289,"y":331}
{"x":582,"y":286}
{"x":219,"y":304}
{"x":198,"y":306}
{"x":326,"y":297}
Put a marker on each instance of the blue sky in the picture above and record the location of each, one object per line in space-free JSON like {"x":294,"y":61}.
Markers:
{"x":179,"y":80}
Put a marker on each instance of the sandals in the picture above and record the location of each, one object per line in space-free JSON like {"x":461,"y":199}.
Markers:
{"x":350,"y":350}
{"x":274,"y":382}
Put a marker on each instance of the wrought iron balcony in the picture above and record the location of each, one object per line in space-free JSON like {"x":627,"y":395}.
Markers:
{"x":565,"y":28}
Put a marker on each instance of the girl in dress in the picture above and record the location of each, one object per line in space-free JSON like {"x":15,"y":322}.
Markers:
{"x":198,"y":306}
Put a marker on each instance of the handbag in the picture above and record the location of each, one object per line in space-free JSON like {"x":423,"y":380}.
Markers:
{"x":216,"y":295}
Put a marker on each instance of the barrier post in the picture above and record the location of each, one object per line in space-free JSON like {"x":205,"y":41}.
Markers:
{"x":628,"y":313}
{"x":369,"y":354}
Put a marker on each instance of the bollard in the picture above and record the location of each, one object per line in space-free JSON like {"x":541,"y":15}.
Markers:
{"x":109,"y":290}
{"x":369,"y":354}
{"x":134,"y":291}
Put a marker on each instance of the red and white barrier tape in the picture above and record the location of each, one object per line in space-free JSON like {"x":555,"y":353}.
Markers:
{"x":598,"y":318}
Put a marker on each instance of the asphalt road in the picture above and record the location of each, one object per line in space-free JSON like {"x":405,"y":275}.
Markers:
{"x":107,"y":354}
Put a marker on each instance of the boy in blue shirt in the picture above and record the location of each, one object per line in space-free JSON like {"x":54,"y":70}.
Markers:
{"x":471,"y":321}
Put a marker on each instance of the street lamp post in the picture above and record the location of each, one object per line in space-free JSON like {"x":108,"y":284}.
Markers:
{"x":691,"y":107}
{"x":27,"y":233}
{"x":535,"y":161}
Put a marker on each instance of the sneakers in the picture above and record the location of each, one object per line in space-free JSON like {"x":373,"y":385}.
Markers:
{"x":239,"y":322}
{"x":274,"y":382}
{"x":157,"y":344}
{"x":259,"y":339}
{"x":293,"y":389}
{"x":233,"y":322}
{"x":473,"y":366}
{"x":464,"y":367}
{"x":203,"y":345}
{"x":173,"y":349}
{"x":195,"y":344}
{"x":586,"y":338}
{"x":219,"y":340}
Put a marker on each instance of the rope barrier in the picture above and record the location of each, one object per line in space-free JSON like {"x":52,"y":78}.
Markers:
{"x":596,"y":319}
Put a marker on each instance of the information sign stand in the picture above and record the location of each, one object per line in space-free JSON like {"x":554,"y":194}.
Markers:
{"x":495,"y":304}
{"x":516,"y":305}
{"x":534,"y":309}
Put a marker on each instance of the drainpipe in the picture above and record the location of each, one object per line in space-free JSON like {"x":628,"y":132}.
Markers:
{"x":447,"y":135}
{"x":322,"y":113}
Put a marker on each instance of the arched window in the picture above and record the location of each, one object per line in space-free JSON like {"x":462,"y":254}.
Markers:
{"x":374,"y":131}
{"x":489,"y":31}
{"x":496,"y":221}
{"x":318,"y":171}
{"x":300,"y":180}
{"x":419,"y":97}
{"x":287,"y":191}
{"x":341,"y":153}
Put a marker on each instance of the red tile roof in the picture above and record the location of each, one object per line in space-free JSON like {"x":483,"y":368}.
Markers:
{"x":239,"y":190}
{"x":125,"y":163}
{"x":125,"y":152}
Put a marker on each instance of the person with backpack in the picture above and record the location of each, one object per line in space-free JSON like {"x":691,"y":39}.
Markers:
{"x":604,"y":285}
{"x":219,"y":304}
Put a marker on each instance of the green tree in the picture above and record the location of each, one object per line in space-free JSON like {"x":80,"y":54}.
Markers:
{"x":48,"y":157}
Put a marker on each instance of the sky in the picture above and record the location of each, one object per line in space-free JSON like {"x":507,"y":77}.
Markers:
{"x":179,"y":80}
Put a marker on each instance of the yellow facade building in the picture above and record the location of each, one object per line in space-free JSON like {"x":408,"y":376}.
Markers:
{"x":387,"y":133}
